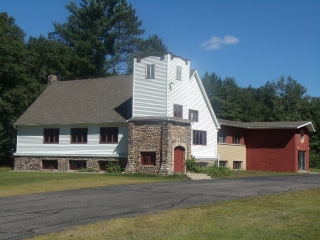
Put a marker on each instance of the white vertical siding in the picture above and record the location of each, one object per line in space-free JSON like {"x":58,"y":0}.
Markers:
{"x":30,"y":141}
{"x":150,"y":95}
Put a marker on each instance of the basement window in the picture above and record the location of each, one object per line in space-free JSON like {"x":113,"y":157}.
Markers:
{"x":50,"y":164}
{"x":237,"y":165}
{"x":223,"y":163}
{"x":148,"y":158}
{"x":77,"y":164}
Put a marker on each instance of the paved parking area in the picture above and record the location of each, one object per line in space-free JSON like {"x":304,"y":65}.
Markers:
{"x":31,"y":215}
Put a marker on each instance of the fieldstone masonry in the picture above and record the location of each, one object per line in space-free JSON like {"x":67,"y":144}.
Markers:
{"x":161,"y":137}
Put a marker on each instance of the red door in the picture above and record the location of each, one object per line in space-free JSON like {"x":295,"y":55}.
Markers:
{"x":178,"y":159}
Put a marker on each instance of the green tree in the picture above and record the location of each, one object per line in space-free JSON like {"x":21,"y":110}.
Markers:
{"x":17,"y":90}
{"x":102,"y":33}
{"x":46,"y":57}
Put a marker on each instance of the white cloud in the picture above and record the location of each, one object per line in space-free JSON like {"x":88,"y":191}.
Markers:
{"x":216,"y":43}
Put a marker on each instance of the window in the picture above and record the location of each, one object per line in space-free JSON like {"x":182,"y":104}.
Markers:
{"x":237,"y":165}
{"x":150,"y":71}
{"x":236,"y":138}
{"x":79,"y":135}
{"x":221,"y":137}
{"x":177,"y":111}
{"x":178,"y":74}
{"x":51,"y":135}
{"x":148,"y":158}
{"x":193,"y":115}
{"x":199,"y":137}
{"x":109,"y":135}
{"x":77,"y":164}
{"x":50,"y":164}
{"x":223,"y":163}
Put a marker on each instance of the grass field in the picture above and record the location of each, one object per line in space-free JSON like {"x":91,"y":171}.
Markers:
{"x":19,"y":183}
{"x":294,"y":215}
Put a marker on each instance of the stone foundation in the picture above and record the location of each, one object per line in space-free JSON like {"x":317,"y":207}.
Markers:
{"x":63,"y":163}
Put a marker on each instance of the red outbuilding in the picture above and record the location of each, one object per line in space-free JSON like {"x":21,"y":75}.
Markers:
{"x":268,"y":146}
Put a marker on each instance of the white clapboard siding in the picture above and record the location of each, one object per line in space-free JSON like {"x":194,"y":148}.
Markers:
{"x":30,"y":142}
{"x":205,"y":123}
{"x":150,"y":95}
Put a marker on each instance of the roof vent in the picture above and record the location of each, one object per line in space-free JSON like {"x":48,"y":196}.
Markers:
{"x":52,"y":79}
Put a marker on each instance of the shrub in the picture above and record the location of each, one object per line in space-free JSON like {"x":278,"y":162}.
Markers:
{"x":191,"y":165}
{"x":314,"y":160}
{"x":215,"y":171}
{"x":113,"y":167}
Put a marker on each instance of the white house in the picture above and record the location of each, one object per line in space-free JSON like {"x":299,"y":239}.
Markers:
{"x":151,"y":121}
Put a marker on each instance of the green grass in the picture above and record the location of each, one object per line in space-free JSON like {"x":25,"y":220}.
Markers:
{"x":19,"y":183}
{"x":293,"y":215}
{"x":317,"y":170}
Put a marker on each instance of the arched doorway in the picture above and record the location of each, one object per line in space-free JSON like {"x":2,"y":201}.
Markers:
{"x":178,"y":159}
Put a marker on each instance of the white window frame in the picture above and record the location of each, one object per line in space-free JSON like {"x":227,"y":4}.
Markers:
{"x":178,"y":73}
{"x":150,"y":71}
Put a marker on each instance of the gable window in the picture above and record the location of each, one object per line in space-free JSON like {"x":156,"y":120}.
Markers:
{"x":109,"y":135}
{"x":236,"y":138}
{"x":221,"y":137}
{"x":51,"y":135}
{"x":178,"y":73}
{"x":148,"y":158}
{"x":177,"y":111}
{"x":150,"y":71}
{"x":193,"y":115}
{"x":79,"y":135}
{"x":199,"y":137}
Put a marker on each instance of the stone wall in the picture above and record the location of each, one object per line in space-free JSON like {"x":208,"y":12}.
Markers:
{"x":35,"y":163}
{"x":160,"y":137}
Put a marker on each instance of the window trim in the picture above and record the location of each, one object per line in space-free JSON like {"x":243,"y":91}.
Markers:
{"x":199,"y":137}
{"x":51,"y":135}
{"x":113,"y":131}
{"x":236,"y":139}
{"x":76,"y":132}
{"x":148,"y":158}
{"x":179,"y":73}
{"x":222,"y":135}
{"x":150,"y":71}
{"x":235,"y":165}
{"x":193,"y":115}
{"x":177,"y":111}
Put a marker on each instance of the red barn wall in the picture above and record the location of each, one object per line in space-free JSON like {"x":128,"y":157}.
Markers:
{"x":275,"y":150}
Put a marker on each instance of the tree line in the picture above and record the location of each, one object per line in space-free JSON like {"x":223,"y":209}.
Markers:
{"x":100,"y":38}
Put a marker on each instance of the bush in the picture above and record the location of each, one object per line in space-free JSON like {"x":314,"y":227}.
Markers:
{"x":191,"y":165}
{"x":113,"y":167}
{"x":216,"y":171}
{"x":314,"y":160}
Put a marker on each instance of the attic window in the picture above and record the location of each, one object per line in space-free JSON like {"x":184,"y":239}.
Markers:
{"x":150,"y":71}
{"x":178,"y":75}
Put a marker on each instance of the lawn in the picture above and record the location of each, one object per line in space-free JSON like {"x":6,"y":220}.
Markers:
{"x":18,"y":183}
{"x":293,"y":215}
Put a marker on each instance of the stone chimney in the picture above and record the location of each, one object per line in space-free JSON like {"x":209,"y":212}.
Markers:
{"x":52,"y":79}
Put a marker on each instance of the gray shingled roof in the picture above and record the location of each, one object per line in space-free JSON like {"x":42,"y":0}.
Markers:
{"x":82,"y":101}
{"x":269,"y":125}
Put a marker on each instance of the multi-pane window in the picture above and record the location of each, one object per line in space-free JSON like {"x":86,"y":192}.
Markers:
{"x":193,"y":115}
{"x":148,"y":158}
{"x":221,"y":137}
{"x":236,"y":138}
{"x":51,"y":135}
{"x":178,"y":74}
{"x":150,"y":68}
{"x":79,"y":135}
{"x":177,"y":111}
{"x":109,"y":135}
{"x":199,"y":137}
{"x":77,"y":164}
{"x":237,"y":165}
{"x":223,"y":163}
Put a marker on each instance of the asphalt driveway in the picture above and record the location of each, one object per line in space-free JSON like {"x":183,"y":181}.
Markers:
{"x":31,"y":215}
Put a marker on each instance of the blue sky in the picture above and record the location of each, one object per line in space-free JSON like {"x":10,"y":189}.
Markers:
{"x":251,"y":41}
